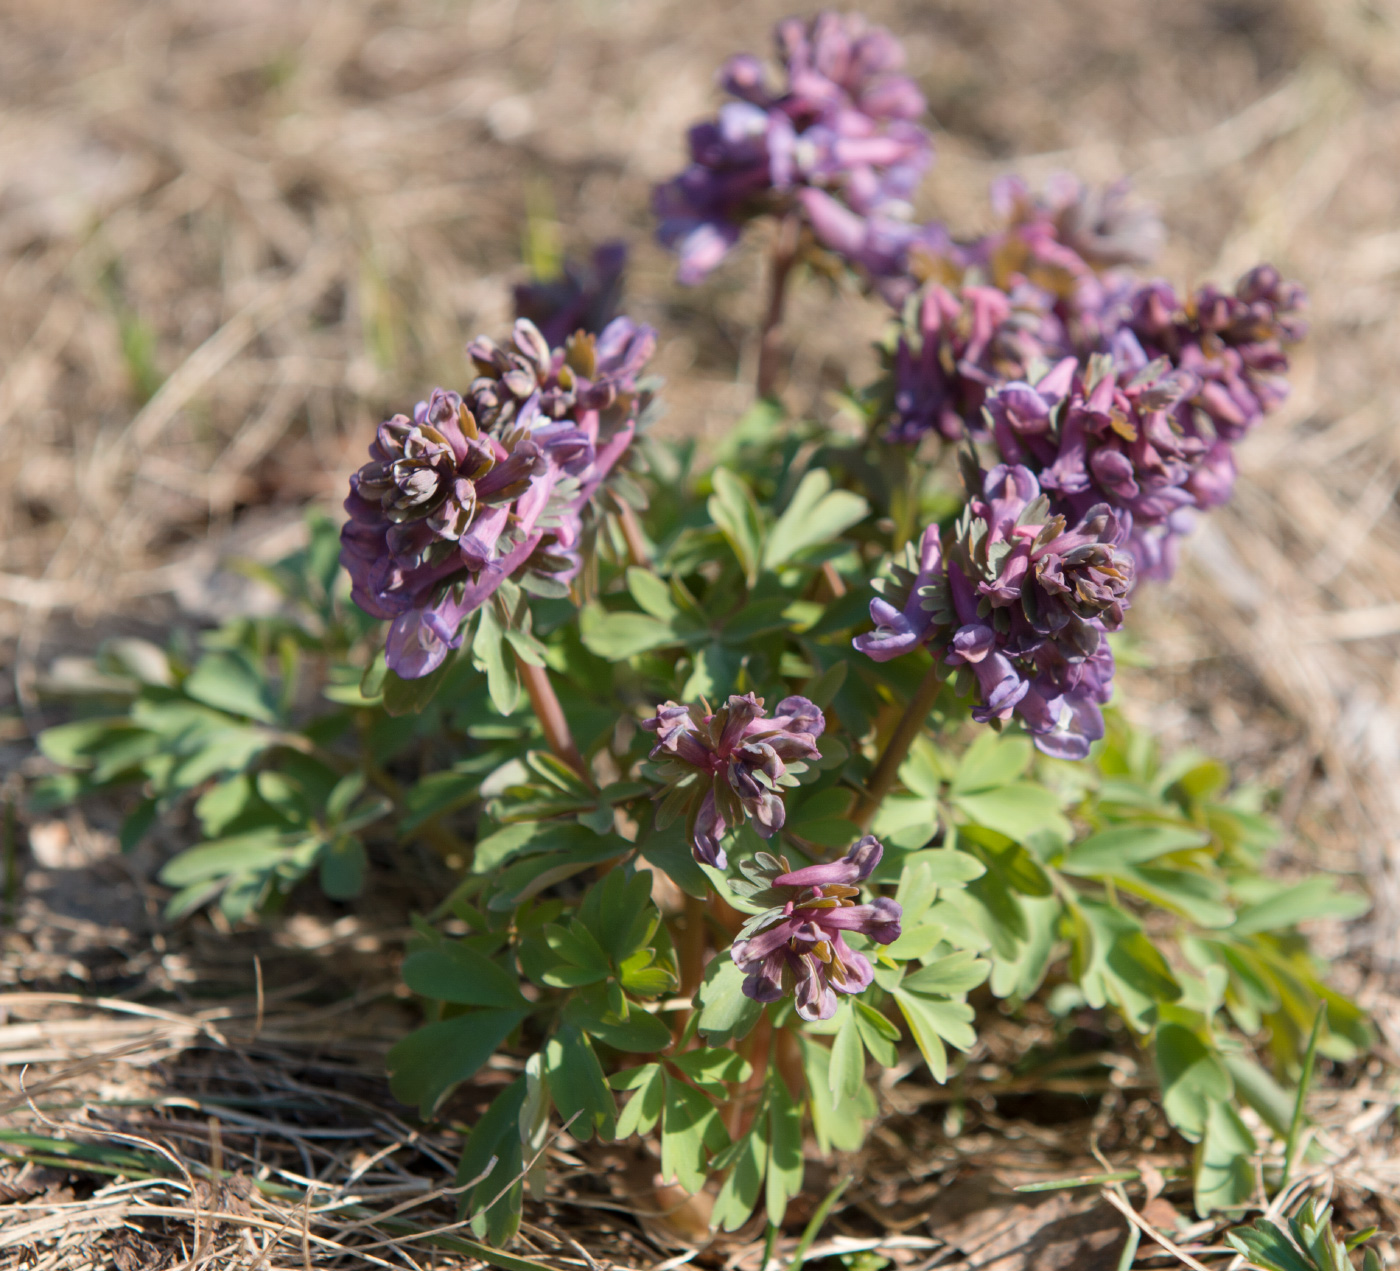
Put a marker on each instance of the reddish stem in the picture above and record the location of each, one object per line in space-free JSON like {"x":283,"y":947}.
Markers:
{"x":757,"y":1049}
{"x":909,"y":726}
{"x":551,"y":716}
{"x":770,"y":346}
{"x":632,"y":532}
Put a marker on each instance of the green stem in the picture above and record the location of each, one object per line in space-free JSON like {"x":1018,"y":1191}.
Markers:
{"x":909,"y":726}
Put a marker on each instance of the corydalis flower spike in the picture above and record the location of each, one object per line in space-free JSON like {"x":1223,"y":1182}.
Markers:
{"x":836,"y":144}
{"x":479,"y":488}
{"x":799,"y":947}
{"x":744,"y":761}
{"x":1020,"y":605}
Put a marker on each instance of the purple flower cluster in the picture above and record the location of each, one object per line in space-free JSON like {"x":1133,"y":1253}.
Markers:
{"x":1043,"y":286}
{"x":1111,"y":389}
{"x":1019,"y":605}
{"x":837,"y":143}
{"x":581,"y":298}
{"x":478,"y":488}
{"x":1149,"y":427}
{"x":798,"y":945}
{"x":723,"y":768}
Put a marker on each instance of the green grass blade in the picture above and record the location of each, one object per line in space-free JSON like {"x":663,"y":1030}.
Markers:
{"x":1295,"y":1128}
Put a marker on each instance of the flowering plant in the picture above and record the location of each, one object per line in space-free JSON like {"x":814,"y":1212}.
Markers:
{"x":664,"y":887}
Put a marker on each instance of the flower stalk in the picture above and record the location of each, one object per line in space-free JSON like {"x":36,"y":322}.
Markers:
{"x":770,"y":345}
{"x":545,"y":703}
{"x":910,"y":723}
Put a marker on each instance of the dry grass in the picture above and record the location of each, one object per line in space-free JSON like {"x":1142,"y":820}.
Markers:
{"x":232,"y":234}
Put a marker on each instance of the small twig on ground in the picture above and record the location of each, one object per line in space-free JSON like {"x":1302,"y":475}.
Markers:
{"x":1147,"y":1229}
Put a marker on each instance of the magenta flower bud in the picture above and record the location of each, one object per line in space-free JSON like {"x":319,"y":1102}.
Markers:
{"x":855,"y":867}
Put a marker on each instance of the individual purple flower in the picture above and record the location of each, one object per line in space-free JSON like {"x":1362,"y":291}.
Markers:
{"x":798,"y":945}
{"x":901,"y":620}
{"x":1019,"y":604}
{"x":584,"y":297}
{"x":474,"y":490}
{"x":836,"y":139}
{"x":734,"y":764}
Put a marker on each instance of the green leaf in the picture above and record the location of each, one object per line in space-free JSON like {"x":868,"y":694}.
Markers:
{"x":1260,"y":1091}
{"x":408,"y":697}
{"x":489,"y":655}
{"x":652,"y":594}
{"x":455,"y":972}
{"x":933,"y":1021}
{"x":577,"y":946}
{"x":535,"y":873}
{"x":615,"y":637}
{"x":669,"y":851}
{"x":436,"y":794}
{"x":138,"y":823}
{"x":1021,"y":975}
{"x":229,"y":682}
{"x":1316,"y":897}
{"x":847,"y":1073}
{"x":825,"y":687}
{"x":577,"y":1086}
{"x":495,"y":1135}
{"x":817,"y":514}
{"x":836,"y":1123}
{"x":1194,"y":896}
{"x":1122,"y":965}
{"x":725,"y":1013}
{"x":1128,"y":845}
{"x":1020,"y":811}
{"x":74,"y":745}
{"x":343,"y":866}
{"x":1008,"y":862}
{"x":529,"y":838}
{"x":992,"y":760}
{"x":640,"y":1033}
{"x":690,"y":1125}
{"x":427,"y":1063}
{"x":713,"y":673}
{"x":958,"y":973}
{"x":1224,"y":1162}
{"x":240,"y":853}
{"x":643,"y":1110}
{"x":905,"y":821}
{"x":740,"y":1191}
{"x":710,"y":1069}
{"x":225,"y":802}
{"x":1193,"y":1077}
{"x":785,"y":1163}
{"x":733,"y":509}
{"x":879,"y":1034}
{"x":1265,"y":1245}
